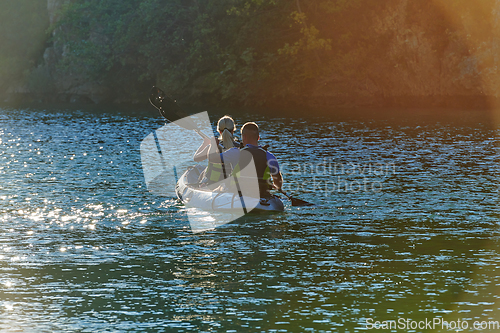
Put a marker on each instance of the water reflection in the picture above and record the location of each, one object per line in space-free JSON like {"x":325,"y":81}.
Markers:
{"x":84,"y":246}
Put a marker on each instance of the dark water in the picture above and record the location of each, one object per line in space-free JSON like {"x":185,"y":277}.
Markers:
{"x":406,"y":227}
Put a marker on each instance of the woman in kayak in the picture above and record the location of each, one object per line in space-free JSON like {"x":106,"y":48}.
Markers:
{"x":214,"y":171}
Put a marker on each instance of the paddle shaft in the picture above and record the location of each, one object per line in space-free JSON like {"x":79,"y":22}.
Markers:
{"x":282,"y":192}
{"x":200,"y":133}
{"x":296,"y":201}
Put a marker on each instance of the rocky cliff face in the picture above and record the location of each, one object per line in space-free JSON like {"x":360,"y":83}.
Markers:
{"x":428,"y":55}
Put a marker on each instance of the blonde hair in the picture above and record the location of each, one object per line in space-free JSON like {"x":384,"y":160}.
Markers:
{"x":225,"y":126}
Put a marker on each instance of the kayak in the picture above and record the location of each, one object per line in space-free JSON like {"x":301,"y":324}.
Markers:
{"x":188,"y":190}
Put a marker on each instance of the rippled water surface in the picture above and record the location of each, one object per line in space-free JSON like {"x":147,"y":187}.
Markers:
{"x":406,"y":226}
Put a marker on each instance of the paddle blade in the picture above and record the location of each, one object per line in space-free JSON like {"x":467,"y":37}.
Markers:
{"x":299,"y":202}
{"x":169,"y":109}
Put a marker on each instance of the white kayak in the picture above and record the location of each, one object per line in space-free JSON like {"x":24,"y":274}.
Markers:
{"x":191,"y":194}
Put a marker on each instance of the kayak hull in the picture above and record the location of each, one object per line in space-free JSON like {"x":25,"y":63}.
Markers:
{"x":191,"y":194}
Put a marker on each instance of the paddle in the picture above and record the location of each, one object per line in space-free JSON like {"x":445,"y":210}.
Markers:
{"x":295,"y":201}
{"x":169,"y":110}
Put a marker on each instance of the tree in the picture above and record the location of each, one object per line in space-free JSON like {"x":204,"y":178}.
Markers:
{"x":23,"y":25}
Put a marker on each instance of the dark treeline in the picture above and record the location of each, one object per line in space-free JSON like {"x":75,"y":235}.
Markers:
{"x":23,"y":25}
{"x":229,"y":51}
{"x":236,"y":52}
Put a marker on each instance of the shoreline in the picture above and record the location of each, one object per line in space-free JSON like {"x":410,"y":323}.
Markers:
{"x":469,"y":102}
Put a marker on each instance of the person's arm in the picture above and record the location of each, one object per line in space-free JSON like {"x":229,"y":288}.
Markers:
{"x":201,"y":153}
{"x":214,"y":153}
{"x":274,"y":170}
{"x":278,"y":181}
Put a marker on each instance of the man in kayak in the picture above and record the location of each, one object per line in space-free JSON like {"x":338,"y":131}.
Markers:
{"x":266,"y":164}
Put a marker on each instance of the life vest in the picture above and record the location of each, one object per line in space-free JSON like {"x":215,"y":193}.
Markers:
{"x":214,"y":172}
{"x":259,"y":156}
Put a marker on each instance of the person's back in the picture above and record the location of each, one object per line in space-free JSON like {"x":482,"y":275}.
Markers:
{"x":266,"y":165}
{"x":215,"y":172}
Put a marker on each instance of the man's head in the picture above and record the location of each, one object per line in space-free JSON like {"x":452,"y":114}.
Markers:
{"x":250,"y":133}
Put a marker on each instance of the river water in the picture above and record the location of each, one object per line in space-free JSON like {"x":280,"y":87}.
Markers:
{"x":405,"y":228}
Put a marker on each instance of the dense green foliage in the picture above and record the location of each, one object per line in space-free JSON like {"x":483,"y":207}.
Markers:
{"x":250,"y":52}
{"x":242,"y":51}
{"x":23,"y":25}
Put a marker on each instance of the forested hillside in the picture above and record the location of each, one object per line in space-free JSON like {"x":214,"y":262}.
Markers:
{"x":23,"y":25}
{"x":256,"y":52}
